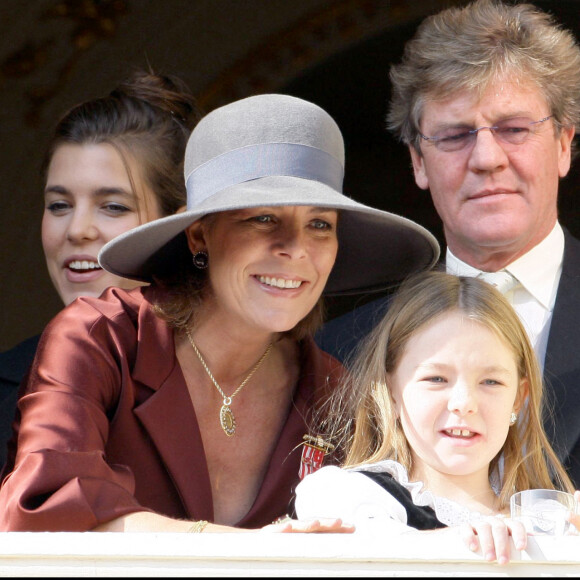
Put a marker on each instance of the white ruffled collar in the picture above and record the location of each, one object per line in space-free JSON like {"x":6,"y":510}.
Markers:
{"x":447,"y":511}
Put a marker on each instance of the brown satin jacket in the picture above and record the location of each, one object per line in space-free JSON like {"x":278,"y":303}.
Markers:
{"x":106,"y":426}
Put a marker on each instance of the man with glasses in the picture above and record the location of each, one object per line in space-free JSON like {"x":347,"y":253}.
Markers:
{"x":486,"y":98}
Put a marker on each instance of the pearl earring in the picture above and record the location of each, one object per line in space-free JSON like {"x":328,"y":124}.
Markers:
{"x":513,"y":418}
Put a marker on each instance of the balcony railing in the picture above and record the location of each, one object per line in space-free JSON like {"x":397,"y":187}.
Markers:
{"x":265,"y":554}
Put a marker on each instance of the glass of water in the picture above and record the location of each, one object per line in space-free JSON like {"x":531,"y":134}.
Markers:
{"x":543,"y":511}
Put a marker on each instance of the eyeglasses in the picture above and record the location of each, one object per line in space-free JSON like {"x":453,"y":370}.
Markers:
{"x":513,"y":131}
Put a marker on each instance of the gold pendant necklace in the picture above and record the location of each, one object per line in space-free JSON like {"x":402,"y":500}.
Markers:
{"x":227,"y":418}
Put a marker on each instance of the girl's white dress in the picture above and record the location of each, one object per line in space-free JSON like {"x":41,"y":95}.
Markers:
{"x":332,"y":492}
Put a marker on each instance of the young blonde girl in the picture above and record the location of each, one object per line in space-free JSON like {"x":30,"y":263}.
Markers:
{"x":395,"y":481}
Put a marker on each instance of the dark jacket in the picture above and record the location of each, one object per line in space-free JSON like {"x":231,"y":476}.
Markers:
{"x":14,"y":364}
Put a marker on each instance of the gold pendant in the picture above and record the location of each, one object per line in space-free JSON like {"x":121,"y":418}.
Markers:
{"x":227,"y":420}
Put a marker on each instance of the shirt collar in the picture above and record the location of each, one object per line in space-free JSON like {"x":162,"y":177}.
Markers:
{"x":537,"y":270}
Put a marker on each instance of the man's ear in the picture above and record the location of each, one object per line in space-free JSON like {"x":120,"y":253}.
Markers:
{"x":419,"y":168}
{"x":565,"y":153}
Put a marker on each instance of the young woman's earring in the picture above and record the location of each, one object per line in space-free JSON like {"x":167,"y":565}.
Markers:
{"x":201,"y":260}
{"x":513,"y":418}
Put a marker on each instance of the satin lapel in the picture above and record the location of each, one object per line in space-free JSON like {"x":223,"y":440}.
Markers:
{"x":168,"y":415}
{"x":282,"y":474}
{"x":318,"y":376}
{"x":562,"y":364}
{"x":170,"y":421}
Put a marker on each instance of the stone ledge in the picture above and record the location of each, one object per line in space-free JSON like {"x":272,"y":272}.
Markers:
{"x":157,"y":554}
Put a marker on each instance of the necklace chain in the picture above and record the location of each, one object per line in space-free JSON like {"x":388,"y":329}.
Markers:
{"x":227,"y":418}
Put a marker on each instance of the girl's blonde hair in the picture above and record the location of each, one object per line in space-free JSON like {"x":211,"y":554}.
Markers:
{"x":361,"y":417}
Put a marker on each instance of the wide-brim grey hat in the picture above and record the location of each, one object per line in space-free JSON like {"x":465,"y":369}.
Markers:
{"x":278,"y":150}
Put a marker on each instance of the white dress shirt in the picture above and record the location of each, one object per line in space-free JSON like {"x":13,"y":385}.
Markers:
{"x":538,"y":273}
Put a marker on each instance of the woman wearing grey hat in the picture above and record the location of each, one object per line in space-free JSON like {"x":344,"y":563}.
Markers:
{"x":190,"y":400}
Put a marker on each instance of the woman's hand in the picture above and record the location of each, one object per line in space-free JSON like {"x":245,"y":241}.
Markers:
{"x":490,"y":536}
{"x":317,"y":526}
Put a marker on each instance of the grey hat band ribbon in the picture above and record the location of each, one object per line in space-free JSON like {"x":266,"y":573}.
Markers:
{"x":263,"y":160}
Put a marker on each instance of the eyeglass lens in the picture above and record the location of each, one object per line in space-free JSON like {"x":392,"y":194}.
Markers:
{"x":512,"y":131}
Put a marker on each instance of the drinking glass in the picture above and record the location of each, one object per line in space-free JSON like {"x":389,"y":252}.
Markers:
{"x":543,"y":511}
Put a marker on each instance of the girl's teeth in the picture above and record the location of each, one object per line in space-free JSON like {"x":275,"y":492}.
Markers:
{"x":279,"y":282}
{"x":83,"y":265}
{"x":460,"y":432}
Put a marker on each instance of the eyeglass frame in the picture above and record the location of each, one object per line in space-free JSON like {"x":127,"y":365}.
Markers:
{"x":471,"y":132}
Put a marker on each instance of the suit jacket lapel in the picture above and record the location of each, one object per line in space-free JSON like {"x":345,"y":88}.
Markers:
{"x":562,"y":363}
{"x":282,"y":473}
{"x":318,"y":378}
{"x":168,"y":416}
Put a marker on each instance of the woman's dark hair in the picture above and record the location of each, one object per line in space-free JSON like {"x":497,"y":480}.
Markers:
{"x":147,"y":118}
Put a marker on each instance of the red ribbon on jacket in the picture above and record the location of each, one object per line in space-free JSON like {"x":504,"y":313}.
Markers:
{"x":314,"y":449}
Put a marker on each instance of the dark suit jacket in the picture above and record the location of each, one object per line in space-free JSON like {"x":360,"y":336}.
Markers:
{"x":14,"y":365}
{"x":107,"y":426}
{"x":562,"y":363}
{"x":340,"y":336}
